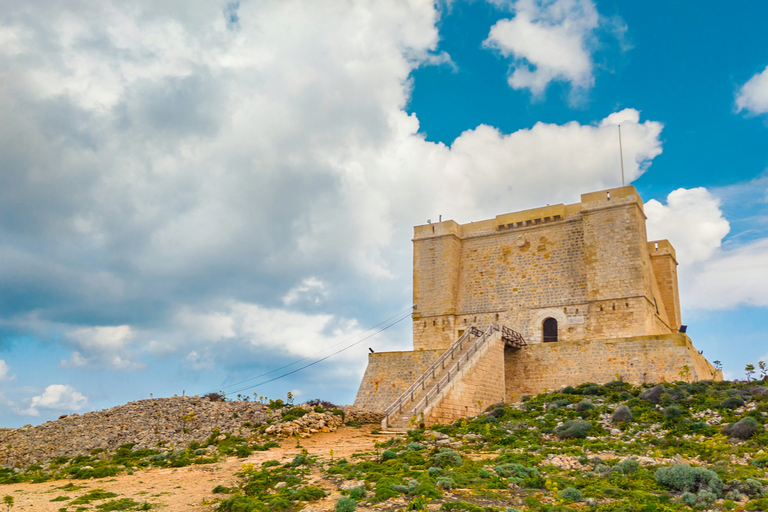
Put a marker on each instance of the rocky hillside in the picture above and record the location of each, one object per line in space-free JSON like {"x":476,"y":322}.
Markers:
{"x":614,"y":447}
{"x":170,"y":422}
{"x":163,"y":424}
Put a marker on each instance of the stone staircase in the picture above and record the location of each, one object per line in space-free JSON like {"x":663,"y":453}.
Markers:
{"x":427,"y":391}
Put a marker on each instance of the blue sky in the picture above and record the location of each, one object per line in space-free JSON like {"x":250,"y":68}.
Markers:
{"x":195,"y":194}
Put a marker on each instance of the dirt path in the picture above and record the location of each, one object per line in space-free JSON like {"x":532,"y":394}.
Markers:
{"x":188,"y":489}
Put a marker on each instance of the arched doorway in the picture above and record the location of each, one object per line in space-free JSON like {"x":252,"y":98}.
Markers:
{"x":549,"y":330}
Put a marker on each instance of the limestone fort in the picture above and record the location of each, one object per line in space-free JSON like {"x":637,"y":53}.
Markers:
{"x":531,"y":301}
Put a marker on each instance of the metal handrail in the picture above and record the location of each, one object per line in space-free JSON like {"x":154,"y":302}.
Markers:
{"x":435,"y":390}
{"x":440,"y":362}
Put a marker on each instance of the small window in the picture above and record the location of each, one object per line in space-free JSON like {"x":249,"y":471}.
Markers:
{"x":549,"y":330}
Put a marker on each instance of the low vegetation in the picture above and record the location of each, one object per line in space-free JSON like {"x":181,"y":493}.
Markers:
{"x":676,"y":447}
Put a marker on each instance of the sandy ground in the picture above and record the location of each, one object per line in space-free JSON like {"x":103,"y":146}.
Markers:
{"x":189,"y":489}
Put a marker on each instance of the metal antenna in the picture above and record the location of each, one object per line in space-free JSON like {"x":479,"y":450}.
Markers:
{"x":621,"y":154}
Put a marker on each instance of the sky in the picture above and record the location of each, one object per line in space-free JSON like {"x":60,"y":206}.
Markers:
{"x":202,"y":196}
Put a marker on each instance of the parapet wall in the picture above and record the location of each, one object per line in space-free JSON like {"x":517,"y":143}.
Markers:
{"x":549,"y":366}
{"x":389,"y":374}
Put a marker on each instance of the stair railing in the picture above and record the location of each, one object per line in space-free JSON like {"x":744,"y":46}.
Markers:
{"x":452,"y":372}
{"x":409,"y":393}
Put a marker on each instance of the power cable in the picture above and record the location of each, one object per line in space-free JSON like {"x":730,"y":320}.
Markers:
{"x":225,"y":388}
{"x":326,"y":357}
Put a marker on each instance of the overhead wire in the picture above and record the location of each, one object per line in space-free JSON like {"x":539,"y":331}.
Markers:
{"x":407,"y":313}
{"x":403,"y":317}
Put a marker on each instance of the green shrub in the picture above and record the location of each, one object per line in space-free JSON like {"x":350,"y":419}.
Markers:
{"x":357,"y":493}
{"x":220,"y":489}
{"x":584,"y":405}
{"x":516,"y":470}
{"x":433,"y":471}
{"x":589,"y":388}
{"x":405,"y":489}
{"x":742,"y":429}
{"x":447,"y":457}
{"x":445,"y":483}
{"x":753,"y":488}
{"x":573,"y":429}
{"x":293,"y":413}
{"x":498,"y":412}
{"x":571,"y":495}
{"x":311,"y":493}
{"x":414,"y":447}
{"x":483,"y":473}
{"x":388,"y":455}
{"x":732,"y":402}
{"x":121,"y":504}
{"x":627,"y":466}
{"x":683,"y":477}
{"x":705,"y":499}
{"x":241,"y":451}
{"x":622,"y":414}
{"x":672,"y":412}
{"x":557,"y":404}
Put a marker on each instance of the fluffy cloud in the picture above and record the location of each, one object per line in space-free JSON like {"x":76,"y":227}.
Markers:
{"x":194,"y":184}
{"x":106,"y":345}
{"x":692,"y":220}
{"x":5,"y":371}
{"x":310,"y":290}
{"x":59,"y":397}
{"x":753,"y":95}
{"x":714,"y":275}
{"x":548,"y":41}
{"x":737,"y":277}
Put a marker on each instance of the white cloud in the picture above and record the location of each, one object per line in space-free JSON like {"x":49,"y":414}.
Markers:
{"x":753,"y":95}
{"x":107,"y":345}
{"x":691,"y":220}
{"x":732,"y":278}
{"x":5,"y":371}
{"x":184,"y":174}
{"x":548,"y":41}
{"x":57,"y":397}
{"x":311,"y":290}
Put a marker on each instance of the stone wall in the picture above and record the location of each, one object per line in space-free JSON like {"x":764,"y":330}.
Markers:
{"x":588,"y":265}
{"x":479,"y":385}
{"x":389,"y":374}
{"x":550,"y":366}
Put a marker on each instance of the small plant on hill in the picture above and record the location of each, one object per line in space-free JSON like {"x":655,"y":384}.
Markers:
{"x":672,"y":413}
{"x":749,"y":370}
{"x":8,"y":502}
{"x":622,"y":414}
{"x":742,"y":429}
{"x":683,"y":477}
{"x":573,"y":429}
{"x":446,"y":457}
{"x":571,"y":495}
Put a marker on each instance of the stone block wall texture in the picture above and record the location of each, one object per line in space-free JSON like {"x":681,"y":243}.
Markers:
{"x":389,"y":374}
{"x":479,"y":385}
{"x":549,"y":366}
{"x":664,"y":261}
{"x":588,"y":265}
